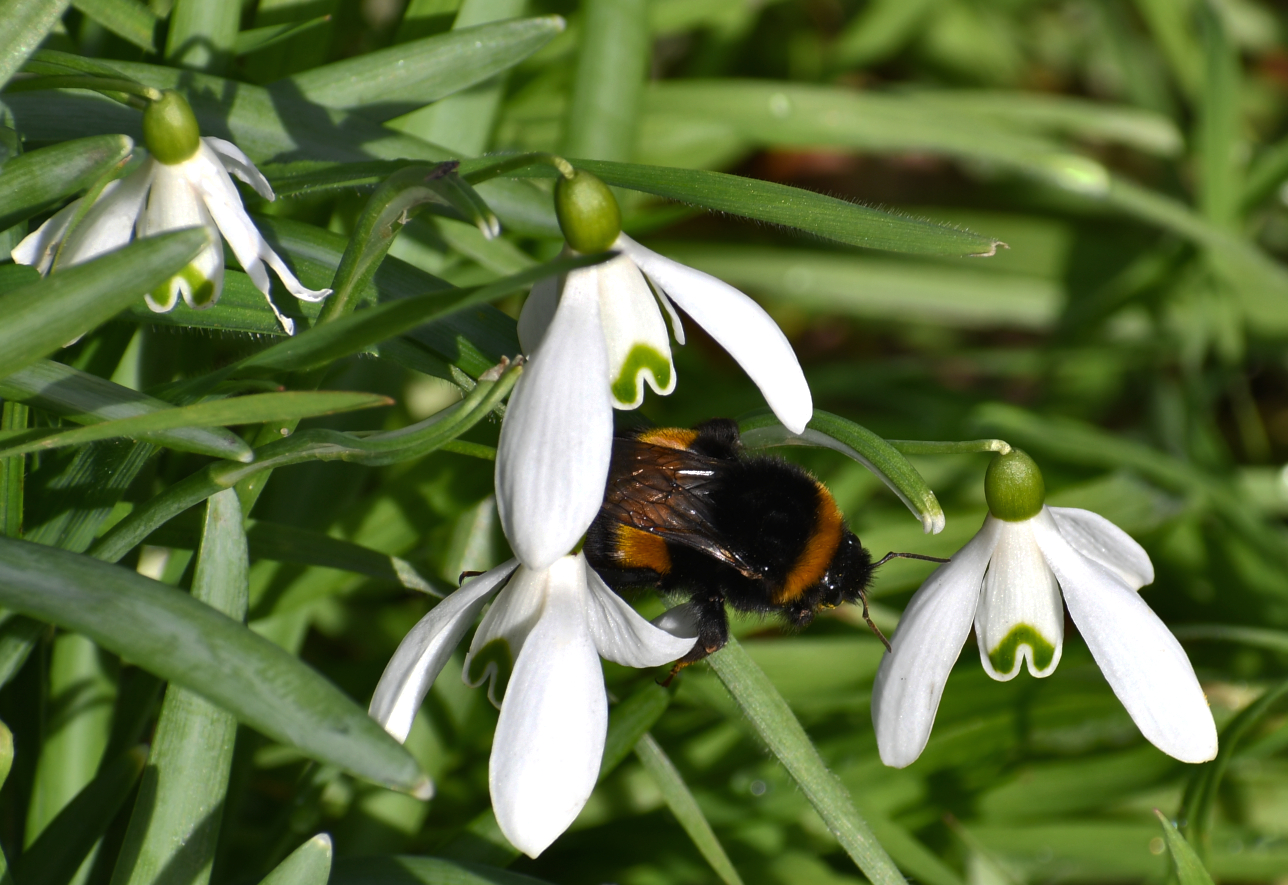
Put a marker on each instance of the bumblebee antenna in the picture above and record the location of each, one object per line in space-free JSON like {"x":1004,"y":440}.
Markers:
{"x":889,"y":556}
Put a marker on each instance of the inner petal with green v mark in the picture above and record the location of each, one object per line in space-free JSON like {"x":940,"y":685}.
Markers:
{"x":1022,"y":640}
{"x":627,"y":386}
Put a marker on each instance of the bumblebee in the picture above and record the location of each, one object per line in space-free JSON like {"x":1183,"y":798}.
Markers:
{"x":686,"y":512}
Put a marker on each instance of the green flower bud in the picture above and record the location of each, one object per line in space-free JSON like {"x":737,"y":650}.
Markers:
{"x":587,"y":212}
{"x":170,"y":130}
{"x":1013,"y":487}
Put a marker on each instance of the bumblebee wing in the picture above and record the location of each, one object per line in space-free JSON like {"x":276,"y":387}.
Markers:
{"x":667,"y":492}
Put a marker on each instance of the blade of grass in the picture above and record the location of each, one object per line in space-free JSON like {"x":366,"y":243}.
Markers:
{"x":310,"y":864}
{"x":202,"y":34}
{"x":39,"y":179}
{"x":43,"y":317}
{"x":678,"y":798}
{"x":1189,"y":869}
{"x":249,"y":409}
{"x":88,"y":399}
{"x":184,"y":641}
{"x":175,"y":825}
{"x":777,"y":725}
{"x":27,"y":23}
{"x":56,"y":855}
{"x":128,"y":19}
{"x":609,"y":85}
{"x":13,"y":471}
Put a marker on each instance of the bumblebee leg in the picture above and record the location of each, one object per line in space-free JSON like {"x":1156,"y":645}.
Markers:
{"x":713,"y":632}
{"x":875,"y":628}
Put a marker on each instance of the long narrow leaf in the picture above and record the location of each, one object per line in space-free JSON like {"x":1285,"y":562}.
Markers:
{"x":184,"y":641}
{"x":777,"y":725}
{"x":1189,"y":869}
{"x":27,"y":22}
{"x":43,"y":317}
{"x":38,"y":179}
{"x":175,"y":825}
{"x":310,"y":864}
{"x":251,"y":409}
{"x":87,"y":399}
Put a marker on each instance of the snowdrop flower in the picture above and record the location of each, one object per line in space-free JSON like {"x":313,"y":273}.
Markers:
{"x":1007,"y":582}
{"x":538,"y":648}
{"x":184,"y":182}
{"x":594,"y":338}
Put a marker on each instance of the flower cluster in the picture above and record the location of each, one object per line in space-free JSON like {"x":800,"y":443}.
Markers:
{"x":183,"y":182}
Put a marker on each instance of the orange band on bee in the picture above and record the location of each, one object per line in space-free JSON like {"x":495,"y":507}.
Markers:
{"x":636,"y":548}
{"x":813,"y":561}
{"x":669,"y":437}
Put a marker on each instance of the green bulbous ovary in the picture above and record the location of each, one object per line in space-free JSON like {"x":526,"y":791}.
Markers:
{"x":170,"y":129}
{"x":1013,"y":487}
{"x":587,"y":211}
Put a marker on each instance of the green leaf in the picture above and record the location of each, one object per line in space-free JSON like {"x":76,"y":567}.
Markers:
{"x":420,"y":870}
{"x":87,"y":399}
{"x":175,"y":825}
{"x":612,"y":65}
{"x":629,"y":721}
{"x":257,"y":39}
{"x":678,"y":798}
{"x":202,"y":34}
{"x":310,"y":864}
{"x":328,"y":342}
{"x":13,"y":472}
{"x":39,"y":179}
{"x":823,"y":216}
{"x":61,"y":847}
{"x":310,"y":445}
{"x":1219,"y":123}
{"x":184,"y":641}
{"x":18,"y":636}
{"x":26,"y":24}
{"x":774,"y":721}
{"x":43,"y":317}
{"x":6,"y":756}
{"x":250,"y":409}
{"x":1189,"y":869}
{"x":761,"y":428}
{"x":393,"y":81}
{"x":128,"y":19}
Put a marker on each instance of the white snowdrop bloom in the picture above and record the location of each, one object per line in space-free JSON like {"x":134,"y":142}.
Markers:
{"x":593,"y":339}
{"x":538,"y":648}
{"x":183,"y":182}
{"x":1008,"y":582}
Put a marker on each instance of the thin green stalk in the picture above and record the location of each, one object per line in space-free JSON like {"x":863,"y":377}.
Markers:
{"x":781,"y":731}
{"x":13,"y":472}
{"x":965,"y":447}
{"x":481,"y":170}
{"x":117,"y":88}
{"x":175,"y":824}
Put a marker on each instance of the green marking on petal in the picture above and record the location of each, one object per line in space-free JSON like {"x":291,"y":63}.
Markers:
{"x":1003,"y":657}
{"x":641,"y":357}
{"x":163,"y":298}
{"x":493,"y":662}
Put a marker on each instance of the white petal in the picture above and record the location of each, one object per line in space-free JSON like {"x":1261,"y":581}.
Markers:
{"x":550,"y":737}
{"x":505,"y":628}
{"x":293,"y":285}
{"x":1141,"y":659}
{"x":240,"y":165}
{"x":557,"y":436}
{"x":622,"y":636}
{"x":110,"y":223}
{"x":739,"y":325}
{"x":634,"y":332}
{"x":539,"y":311}
{"x":926,"y":644}
{"x":1100,"y":540}
{"x":677,"y":327}
{"x":1021,"y":616}
{"x":37,"y":248}
{"x":172,"y":205}
{"x":424,"y":651}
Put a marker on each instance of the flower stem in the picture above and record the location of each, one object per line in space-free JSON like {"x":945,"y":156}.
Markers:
{"x":118,"y":88}
{"x":963,"y":447}
{"x":503,"y":165}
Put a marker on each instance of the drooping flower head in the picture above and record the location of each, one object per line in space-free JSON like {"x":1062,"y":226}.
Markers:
{"x":538,"y":648}
{"x":183,"y":182}
{"x":1008,"y":582}
{"x":594,"y":339}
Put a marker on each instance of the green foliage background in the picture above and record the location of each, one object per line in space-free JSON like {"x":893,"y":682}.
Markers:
{"x":1131,"y":155}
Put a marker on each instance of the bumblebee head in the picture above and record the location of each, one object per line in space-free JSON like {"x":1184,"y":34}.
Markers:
{"x":848,"y":574}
